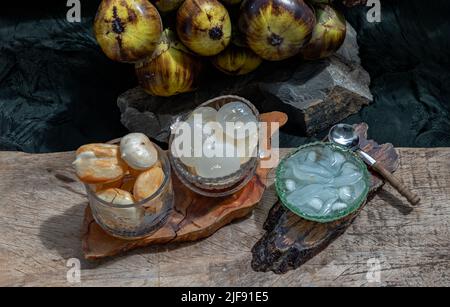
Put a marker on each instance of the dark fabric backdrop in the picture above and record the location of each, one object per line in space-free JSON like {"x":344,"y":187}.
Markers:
{"x":408,"y":58}
{"x":58,"y":91}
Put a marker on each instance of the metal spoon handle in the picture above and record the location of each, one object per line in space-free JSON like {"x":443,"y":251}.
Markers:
{"x":413,"y":198}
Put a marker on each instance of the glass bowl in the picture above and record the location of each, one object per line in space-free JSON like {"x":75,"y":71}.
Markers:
{"x":136,"y":220}
{"x":221,"y":186}
{"x":333,"y":215}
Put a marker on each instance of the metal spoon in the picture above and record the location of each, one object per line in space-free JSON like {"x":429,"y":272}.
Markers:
{"x":346,"y":136}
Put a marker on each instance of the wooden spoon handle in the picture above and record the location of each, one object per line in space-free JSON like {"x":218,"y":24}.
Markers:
{"x":413,"y":198}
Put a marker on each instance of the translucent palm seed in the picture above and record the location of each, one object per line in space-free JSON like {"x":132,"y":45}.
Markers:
{"x":208,"y":114}
{"x":218,"y":160}
{"x":200,"y":117}
{"x":202,"y":123}
{"x":246,"y":147}
{"x":237,"y":115}
{"x":190,"y":159}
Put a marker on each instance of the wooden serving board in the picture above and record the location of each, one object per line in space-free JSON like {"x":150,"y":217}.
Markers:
{"x":194,"y":216}
{"x":290,"y":241}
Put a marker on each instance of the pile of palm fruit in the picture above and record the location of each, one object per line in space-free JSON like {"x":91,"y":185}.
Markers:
{"x":169,"y":41}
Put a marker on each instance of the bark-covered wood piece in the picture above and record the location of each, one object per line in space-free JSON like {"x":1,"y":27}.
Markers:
{"x":194,"y":216}
{"x":290,"y":241}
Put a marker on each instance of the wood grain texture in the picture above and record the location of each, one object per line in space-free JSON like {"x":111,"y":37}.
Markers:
{"x":42,"y":206}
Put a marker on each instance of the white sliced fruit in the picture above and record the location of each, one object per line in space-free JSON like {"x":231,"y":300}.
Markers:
{"x":138,"y":151}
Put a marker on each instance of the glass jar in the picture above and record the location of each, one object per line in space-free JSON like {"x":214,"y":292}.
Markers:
{"x":140,"y":219}
{"x":218,"y":186}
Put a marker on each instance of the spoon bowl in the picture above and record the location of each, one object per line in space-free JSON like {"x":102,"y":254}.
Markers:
{"x":344,"y":135}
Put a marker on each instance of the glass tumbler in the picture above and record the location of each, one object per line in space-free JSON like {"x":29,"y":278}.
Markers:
{"x":140,"y":219}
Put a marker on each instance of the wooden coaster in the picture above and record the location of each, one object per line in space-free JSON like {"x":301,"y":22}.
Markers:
{"x":290,"y":241}
{"x":194,"y":216}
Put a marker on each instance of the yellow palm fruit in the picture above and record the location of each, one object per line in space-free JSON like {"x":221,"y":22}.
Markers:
{"x":328,"y":34}
{"x":166,"y":6}
{"x":127,"y":30}
{"x":204,"y":26}
{"x":236,"y":60}
{"x":276,"y":29}
{"x":171,"y":70}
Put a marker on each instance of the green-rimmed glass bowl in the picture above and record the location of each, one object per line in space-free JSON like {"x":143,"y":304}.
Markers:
{"x":334,"y":215}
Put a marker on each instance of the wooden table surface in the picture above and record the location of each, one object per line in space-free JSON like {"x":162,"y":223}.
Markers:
{"x":41,"y":212}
